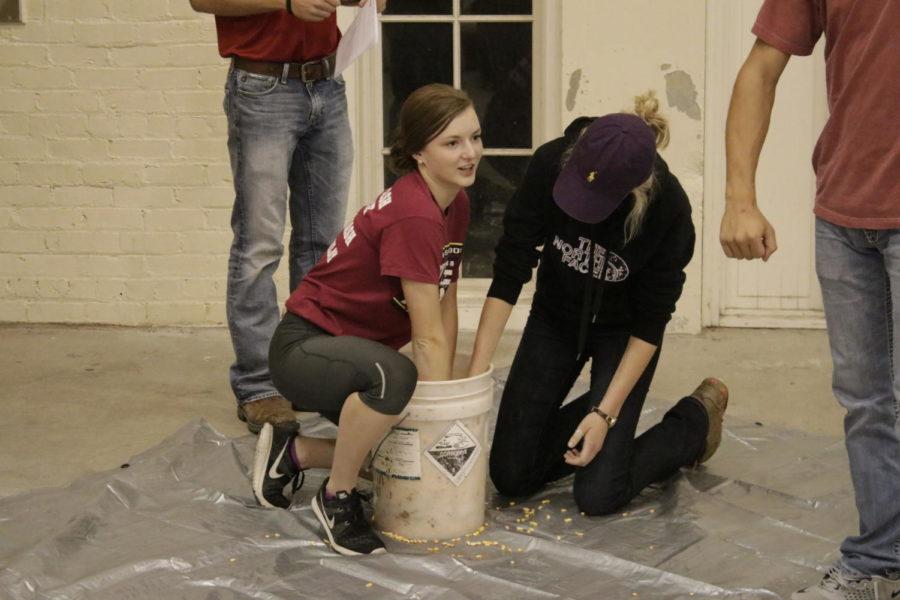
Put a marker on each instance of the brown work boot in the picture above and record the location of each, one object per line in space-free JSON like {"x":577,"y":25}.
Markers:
{"x":712,"y":395}
{"x":274,"y":409}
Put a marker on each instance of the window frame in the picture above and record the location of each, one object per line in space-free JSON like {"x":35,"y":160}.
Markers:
{"x":546,"y":124}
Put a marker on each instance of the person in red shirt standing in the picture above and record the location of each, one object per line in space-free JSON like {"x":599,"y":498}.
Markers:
{"x":289,"y":139}
{"x":389,"y":278}
{"x":857,"y":165}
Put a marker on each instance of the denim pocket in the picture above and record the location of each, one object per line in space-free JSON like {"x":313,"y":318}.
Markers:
{"x":252,"y":84}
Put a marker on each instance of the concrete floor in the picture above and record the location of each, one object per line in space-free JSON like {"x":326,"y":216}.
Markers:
{"x":80,"y":399}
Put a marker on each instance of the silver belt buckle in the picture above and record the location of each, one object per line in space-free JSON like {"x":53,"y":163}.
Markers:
{"x":323,"y":63}
{"x":304,"y":77}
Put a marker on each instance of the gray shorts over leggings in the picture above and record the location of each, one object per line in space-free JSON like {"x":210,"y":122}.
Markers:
{"x":317,"y":371}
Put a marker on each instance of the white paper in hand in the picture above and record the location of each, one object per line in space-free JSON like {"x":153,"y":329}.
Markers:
{"x":362,"y":34}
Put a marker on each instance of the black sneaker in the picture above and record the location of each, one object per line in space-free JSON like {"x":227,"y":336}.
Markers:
{"x":273,"y":468}
{"x":345,"y":524}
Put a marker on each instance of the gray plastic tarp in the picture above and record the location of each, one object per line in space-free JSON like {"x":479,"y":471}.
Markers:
{"x":180,"y":521}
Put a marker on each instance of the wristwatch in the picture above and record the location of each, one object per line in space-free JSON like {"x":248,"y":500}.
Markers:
{"x":609,"y":420}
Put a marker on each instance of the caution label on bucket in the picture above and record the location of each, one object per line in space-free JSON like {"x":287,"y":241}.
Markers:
{"x":455,"y":452}
{"x":399,"y":454}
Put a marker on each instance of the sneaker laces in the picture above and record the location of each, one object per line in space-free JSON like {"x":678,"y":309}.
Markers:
{"x":350,"y":509}
{"x":356,"y":507}
{"x":853,"y":587}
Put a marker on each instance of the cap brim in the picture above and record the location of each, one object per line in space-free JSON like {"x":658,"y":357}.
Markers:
{"x":578,"y":200}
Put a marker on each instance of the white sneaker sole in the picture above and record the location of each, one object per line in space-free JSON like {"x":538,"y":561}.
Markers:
{"x":263,"y":448}
{"x":320,"y":515}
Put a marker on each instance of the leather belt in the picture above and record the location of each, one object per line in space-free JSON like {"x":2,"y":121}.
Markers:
{"x":313,"y":70}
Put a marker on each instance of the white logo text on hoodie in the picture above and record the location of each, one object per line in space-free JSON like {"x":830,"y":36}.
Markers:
{"x":579,"y":257}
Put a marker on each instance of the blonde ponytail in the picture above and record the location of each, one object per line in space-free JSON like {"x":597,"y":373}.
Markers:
{"x":646,"y":106}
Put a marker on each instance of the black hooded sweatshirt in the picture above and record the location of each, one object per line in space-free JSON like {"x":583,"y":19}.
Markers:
{"x":643,"y":278}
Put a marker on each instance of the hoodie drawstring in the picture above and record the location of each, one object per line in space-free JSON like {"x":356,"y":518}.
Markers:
{"x":593,"y":296}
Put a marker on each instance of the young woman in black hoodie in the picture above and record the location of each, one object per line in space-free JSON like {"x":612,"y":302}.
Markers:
{"x":616,"y":231}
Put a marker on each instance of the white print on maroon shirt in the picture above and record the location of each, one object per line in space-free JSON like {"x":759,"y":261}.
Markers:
{"x":349,"y":232}
{"x":578,"y":258}
{"x":449,"y":266}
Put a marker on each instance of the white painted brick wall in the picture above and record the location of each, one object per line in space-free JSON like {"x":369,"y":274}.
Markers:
{"x":115,"y":188}
{"x":114,"y":178}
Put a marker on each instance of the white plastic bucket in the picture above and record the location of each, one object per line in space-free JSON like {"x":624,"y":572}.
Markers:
{"x":430,"y":472}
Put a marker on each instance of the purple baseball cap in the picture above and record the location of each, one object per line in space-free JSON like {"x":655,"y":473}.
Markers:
{"x":614,"y":155}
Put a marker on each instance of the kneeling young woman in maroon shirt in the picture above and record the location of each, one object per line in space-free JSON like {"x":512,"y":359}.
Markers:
{"x":389,"y":278}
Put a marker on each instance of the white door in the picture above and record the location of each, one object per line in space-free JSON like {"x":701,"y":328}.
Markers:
{"x":784,"y":291}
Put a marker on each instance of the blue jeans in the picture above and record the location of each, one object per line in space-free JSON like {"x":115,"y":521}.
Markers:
{"x":859,"y":271}
{"x":533,"y":428}
{"x":288,"y":141}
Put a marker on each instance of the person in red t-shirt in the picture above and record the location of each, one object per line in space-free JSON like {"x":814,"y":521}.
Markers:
{"x":389,"y":278}
{"x":857,"y":165}
{"x":288,"y":138}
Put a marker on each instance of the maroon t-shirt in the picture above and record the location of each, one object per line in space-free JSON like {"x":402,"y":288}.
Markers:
{"x":355,"y":288}
{"x":277,"y":37}
{"x":857,"y":157}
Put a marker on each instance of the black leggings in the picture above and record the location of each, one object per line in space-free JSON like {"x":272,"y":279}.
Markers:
{"x":317,"y":371}
{"x":533,"y":429}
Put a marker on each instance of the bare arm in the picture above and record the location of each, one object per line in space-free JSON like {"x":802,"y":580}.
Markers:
{"x":745,"y":232}
{"x":494,"y":316}
{"x":306,"y":10}
{"x":593,"y":427}
{"x":431,"y":349}
{"x":450,"y":320}
{"x":382,"y":4}
{"x":236,"y":8}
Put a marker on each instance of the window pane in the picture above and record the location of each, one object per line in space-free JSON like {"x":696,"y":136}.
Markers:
{"x":421,"y":7}
{"x":495,"y":7}
{"x":413,"y":54}
{"x":9,"y":11}
{"x":496,"y":73}
{"x":498,"y":177}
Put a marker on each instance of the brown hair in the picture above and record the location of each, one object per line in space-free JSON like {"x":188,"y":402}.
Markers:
{"x":424,"y":115}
